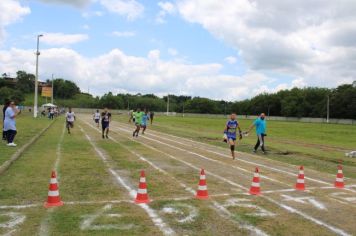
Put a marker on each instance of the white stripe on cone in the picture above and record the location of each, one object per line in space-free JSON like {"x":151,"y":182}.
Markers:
{"x":142,"y":191}
{"x":300,"y":181}
{"x":143,"y":180}
{"x":53,"y":181}
{"x":255,"y":184}
{"x":203,"y":188}
{"x":301,"y":172}
{"x":53,"y":193}
{"x":339,"y":180}
{"x":256,"y":175}
{"x":339,"y":171}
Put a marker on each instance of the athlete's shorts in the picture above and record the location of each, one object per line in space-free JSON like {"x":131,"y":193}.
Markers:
{"x":97,"y":121}
{"x":70,"y":124}
{"x":137,"y":124}
{"x":105,"y":125}
{"x":233,"y":138}
{"x":143,"y":126}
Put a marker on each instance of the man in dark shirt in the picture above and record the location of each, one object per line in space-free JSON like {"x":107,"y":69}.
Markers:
{"x":6,"y":104}
{"x":105,"y":121}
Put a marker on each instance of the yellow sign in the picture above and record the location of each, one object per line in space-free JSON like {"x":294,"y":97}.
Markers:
{"x":46,"y":91}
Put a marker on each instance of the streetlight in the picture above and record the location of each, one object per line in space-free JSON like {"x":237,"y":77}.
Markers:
{"x":36,"y":79}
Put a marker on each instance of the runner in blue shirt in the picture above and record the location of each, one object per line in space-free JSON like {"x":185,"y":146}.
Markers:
{"x":230,"y":133}
{"x":145,"y":118}
{"x":260,"y":124}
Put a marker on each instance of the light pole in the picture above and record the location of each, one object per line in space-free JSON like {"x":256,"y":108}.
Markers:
{"x":35,"y":105}
{"x":52,"y":90}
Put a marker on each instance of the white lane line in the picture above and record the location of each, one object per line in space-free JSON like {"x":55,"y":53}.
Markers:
{"x":165,"y":229}
{"x":229,"y":216}
{"x":283,"y":206}
{"x":44,"y":226}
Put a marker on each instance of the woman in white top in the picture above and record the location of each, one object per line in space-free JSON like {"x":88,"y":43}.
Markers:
{"x":10,"y":123}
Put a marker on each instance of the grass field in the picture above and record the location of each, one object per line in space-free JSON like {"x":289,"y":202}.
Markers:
{"x":98,"y":179}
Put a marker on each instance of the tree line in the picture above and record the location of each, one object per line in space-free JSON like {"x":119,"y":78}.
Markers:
{"x":296,"y":102}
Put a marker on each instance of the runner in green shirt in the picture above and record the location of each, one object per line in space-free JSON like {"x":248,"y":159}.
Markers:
{"x":138,"y":120}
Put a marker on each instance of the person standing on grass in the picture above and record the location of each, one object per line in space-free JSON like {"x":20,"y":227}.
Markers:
{"x":51,"y":113}
{"x":260,"y":124}
{"x":152,"y":114}
{"x":96,"y":118}
{"x":145,"y":118}
{"x":138,"y":121}
{"x":230,"y":133}
{"x":10,"y":123}
{"x":70,"y":118}
{"x":6,"y":105}
{"x":105,"y":121}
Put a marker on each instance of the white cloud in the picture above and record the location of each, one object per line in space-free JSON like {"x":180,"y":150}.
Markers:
{"x":124,"y":33}
{"x":131,"y":9}
{"x":314,"y":40}
{"x":75,"y":3}
{"x":86,"y":27}
{"x":63,"y":39}
{"x":92,"y":14}
{"x":172,"y":51}
{"x":116,"y":71}
{"x":231,"y":60}
{"x":167,"y":8}
{"x":11,"y":11}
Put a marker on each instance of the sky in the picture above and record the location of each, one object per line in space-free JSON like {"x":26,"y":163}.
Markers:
{"x":220,"y":49}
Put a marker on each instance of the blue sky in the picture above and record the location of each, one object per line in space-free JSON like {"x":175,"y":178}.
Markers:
{"x":216,"y":49}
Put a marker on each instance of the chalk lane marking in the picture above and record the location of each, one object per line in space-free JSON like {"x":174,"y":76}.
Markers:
{"x":44,"y":226}
{"x":305,"y":200}
{"x":181,"y":216}
{"x":88,"y":222}
{"x":220,"y":210}
{"x":283,"y":206}
{"x":224,"y":155}
{"x":165,"y":229}
{"x":15,"y":219}
{"x":246,"y":203}
{"x":341,"y":195}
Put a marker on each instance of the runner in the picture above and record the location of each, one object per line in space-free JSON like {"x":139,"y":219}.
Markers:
{"x":145,"y":118}
{"x":70,"y":118}
{"x":230,"y":133}
{"x":152,"y":114}
{"x":105,"y":121}
{"x":260,"y":124}
{"x":96,"y":118}
{"x":138,"y":121}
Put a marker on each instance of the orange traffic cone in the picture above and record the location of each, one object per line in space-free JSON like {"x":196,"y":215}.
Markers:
{"x":255,"y":186}
{"x":142,"y":196}
{"x":53,"y":194}
{"x":202,"y":192}
{"x":300,"y":185}
{"x":339,"y":182}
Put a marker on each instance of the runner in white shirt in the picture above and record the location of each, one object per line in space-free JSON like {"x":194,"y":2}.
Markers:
{"x":96,"y":117}
{"x":70,"y":118}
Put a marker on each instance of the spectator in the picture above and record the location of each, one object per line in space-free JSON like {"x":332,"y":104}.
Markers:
{"x":10,"y":123}
{"x":6,"y":104}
